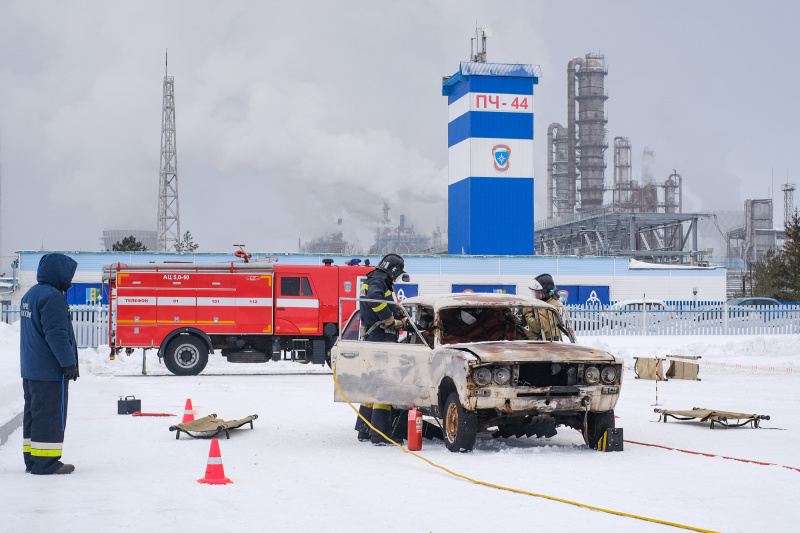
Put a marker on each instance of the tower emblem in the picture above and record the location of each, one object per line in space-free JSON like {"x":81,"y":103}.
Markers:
{"x":501,"y":154}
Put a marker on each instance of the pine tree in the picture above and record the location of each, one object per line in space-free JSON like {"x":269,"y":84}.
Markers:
{"x":778,"y":274}
{"x":128,"y":244}
{"x":768,"y":276}
{"x":791,"y":254}
{"x":187,"y":245}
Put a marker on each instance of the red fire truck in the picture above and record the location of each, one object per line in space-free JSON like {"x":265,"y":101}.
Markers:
{"x":250,"y":311}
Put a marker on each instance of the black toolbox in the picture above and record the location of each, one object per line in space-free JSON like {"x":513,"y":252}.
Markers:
{"x":129,"y":405}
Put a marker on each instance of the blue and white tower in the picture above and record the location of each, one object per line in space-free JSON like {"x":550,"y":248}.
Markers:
{"x":490,"y":139}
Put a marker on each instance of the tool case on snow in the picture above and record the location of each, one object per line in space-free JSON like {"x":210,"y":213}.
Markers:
{"x":129,"y":405}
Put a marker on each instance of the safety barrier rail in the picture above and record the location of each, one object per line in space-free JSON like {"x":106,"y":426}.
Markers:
{"x":674,"y":319}
{"x":90,"y":322}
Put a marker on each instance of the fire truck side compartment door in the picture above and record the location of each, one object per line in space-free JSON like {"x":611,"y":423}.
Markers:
{"x":216,"y":301}
{"x":135,"y":309}
{"x":176,"y":297}
{"x":254,"y":302}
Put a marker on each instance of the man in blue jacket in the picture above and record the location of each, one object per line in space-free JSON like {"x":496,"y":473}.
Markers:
{"x":48,"y":360}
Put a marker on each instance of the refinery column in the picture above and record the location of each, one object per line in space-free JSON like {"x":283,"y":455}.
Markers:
{"x":490,"y":139}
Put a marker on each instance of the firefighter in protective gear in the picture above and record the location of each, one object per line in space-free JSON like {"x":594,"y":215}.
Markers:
{"x":379,"y":323}
{"x":538,"y":321}
{"x":48,"y":361}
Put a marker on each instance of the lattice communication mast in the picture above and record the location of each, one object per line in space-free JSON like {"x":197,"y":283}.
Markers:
{"x":169,"y":222}
{"x":788,"y":203}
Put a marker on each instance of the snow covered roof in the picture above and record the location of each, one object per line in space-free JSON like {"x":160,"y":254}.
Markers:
{"x":469,"y":68}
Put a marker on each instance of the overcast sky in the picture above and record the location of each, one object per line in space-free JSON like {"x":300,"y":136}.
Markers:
{"x":291,"y":115}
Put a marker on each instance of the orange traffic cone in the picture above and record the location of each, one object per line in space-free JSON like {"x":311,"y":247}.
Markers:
{"x":215,"y":473}
{"x":188,"y":412}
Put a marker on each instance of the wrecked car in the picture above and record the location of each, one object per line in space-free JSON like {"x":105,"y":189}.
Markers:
{"x":474,"y":362}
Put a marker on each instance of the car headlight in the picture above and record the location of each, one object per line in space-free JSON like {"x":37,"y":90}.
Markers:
{"x":608,"y":374}
{"x":482,"y":376}
{"x":555,"y":368}
{"x":591,"y":375}
{"x":501,"y":375}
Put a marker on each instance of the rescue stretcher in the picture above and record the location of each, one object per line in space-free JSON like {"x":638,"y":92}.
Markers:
{"x":724,"y":418}
{"x":210,"y":426}
{"x":680,"y":367}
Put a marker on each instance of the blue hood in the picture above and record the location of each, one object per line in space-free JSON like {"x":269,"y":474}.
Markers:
{"x":56,"y":270}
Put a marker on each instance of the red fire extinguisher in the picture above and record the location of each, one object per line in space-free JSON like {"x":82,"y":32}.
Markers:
{"x":414,"y":430}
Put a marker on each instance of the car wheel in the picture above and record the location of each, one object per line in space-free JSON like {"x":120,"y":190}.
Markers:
{"x":460,"y":425}
{"x":597,"y":424}
{"x":186,"y":355}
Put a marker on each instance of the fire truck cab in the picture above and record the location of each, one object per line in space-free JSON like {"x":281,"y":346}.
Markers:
{"x":251,"y":312}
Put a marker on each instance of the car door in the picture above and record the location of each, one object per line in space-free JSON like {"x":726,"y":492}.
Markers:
{"x":380,"y":372}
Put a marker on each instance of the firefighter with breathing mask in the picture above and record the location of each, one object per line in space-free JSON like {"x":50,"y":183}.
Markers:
{"x":537,"y":320}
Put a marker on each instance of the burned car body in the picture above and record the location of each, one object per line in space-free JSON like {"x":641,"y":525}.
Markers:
{"x":472,"y":361}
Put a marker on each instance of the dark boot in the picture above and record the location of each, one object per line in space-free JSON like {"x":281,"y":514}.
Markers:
{"x":399,"y":425}
{"x":364,"y":410}
{"x":65,"y":469}
{"x":382,"y":421}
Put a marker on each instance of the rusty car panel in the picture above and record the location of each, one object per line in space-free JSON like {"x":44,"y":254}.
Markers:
{"x":489,"y":352}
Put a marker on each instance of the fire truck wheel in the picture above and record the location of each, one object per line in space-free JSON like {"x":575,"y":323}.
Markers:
{"x":460,"y":425}
{"x":186,"y":355}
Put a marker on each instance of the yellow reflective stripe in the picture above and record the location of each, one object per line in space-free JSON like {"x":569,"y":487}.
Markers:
{"x":45,"y":453}
{"x":365,"y":286}
{"x":376,"y":309}
{"x":26,"y":448}
{"x":382,"y":406}
{"x":387,"y":293}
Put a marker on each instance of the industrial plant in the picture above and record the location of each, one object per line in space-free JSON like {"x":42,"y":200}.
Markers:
{"x":643,"y":218}
{"x":399,"y":239}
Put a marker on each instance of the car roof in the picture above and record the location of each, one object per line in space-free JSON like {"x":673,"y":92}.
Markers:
{"x":735,"y":301}
{"x":477,"y":299}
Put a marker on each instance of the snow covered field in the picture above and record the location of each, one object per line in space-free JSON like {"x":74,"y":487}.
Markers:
{"x":302,"y":469}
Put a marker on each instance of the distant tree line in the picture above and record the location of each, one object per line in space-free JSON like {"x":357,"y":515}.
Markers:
{"x":778,"y":274}
{"x":130,"y":244}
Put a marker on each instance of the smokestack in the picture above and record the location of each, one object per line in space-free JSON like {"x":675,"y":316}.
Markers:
{"x":592,"y":129}
{"x":572,"y":173}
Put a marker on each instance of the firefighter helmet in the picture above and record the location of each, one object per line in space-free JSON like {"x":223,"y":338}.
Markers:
{"x":548,"y":286}
{"x":393,"y":265}
{"x":535,"y":285}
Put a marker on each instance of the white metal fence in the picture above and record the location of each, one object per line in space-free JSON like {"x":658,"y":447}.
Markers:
{"x":91,"y":321}
{"x":678,"y":319}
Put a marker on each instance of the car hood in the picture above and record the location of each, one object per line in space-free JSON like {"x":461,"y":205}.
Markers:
{"x":529,"y":351}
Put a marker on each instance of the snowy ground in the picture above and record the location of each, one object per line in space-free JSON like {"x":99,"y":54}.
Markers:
{"x":301,"y":468}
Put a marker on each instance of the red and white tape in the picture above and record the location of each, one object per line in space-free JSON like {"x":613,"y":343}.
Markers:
{"x":712,"y":455}
{"x":739,"y":366}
